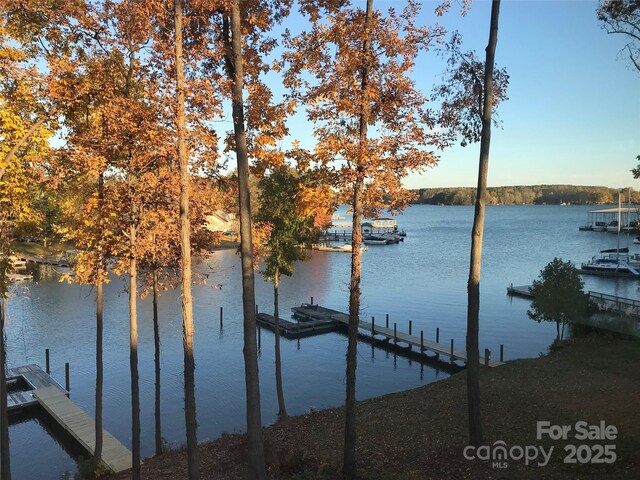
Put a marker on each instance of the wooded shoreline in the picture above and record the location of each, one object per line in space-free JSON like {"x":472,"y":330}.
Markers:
{"x":524,"y":195}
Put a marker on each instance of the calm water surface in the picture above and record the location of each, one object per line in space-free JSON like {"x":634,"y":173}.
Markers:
{"x":422,"y":279}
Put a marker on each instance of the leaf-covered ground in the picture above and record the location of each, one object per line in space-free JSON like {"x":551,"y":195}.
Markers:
{"x":421,"y":433}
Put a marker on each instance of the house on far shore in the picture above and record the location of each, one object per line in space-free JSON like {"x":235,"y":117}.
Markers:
{"x":220,"y":221}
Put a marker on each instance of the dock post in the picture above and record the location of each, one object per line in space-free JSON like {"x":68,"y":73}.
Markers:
{"x":486,"y":357}
{"x":259,"y":339}
{"x":422,"y":340}
{"x":311,"y":301}
{"x":373,"y":326}
{"x":220,"y":316}
{"x":46,"y":361}
{"x":410,"y":326}
{"x":395,"y":332}
{"x":501,"y":352}
{"x":387,"y":321}
{"x":66,"y":377}
{"x":438,"y":335}
{"x":256,"y":309}
{"x":452,"y":357}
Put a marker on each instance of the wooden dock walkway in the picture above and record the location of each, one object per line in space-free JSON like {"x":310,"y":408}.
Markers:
{"x":327,"y":314}
{"x":605,"y":302}
{"x":414,"y":341}
{"x":615,"y":304}
{"x":41,"y":389}
{"x":82,"y":427}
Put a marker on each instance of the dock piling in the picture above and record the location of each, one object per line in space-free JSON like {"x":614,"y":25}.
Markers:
{"x":452,"y":356}
{"x":311,"y":300}
{"x":422,"y":340}
{"x":387,"y":321}
{"x":501,"y":352}
{"x":410,"y":326}
{"x":259,"y":339}
{"x":438,"y":335}
{"x":221,"y":317}
{"x":46,"y":361}
{"x":256,"y":309}
{"x":395,"y":332}
{"x":487,"y":353}
{"x":373,"y":326}
{"x":66,"y":377}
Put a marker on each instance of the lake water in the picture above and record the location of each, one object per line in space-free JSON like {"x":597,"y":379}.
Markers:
{"x":422,"y":279}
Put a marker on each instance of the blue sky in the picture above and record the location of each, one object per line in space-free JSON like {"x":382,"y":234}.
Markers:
{"x":573,"y":114}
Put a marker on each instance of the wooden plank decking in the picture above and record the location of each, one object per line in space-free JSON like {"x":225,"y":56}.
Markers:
{"x":82,"y":427}
{"x":520,"y":291}
{"x":297,"y":329}
{"x":45,"y":391}
{"x":412,"y":340}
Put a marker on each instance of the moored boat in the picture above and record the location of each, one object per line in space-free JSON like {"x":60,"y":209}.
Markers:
{"x":373,"y":240}
{"x":615,"y":262}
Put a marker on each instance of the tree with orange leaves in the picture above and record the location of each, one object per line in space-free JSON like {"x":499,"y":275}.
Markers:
{"x":370,"y":121}
{"x":288,"y":206}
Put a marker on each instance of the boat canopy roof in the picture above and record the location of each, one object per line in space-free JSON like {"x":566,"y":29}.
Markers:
{"x":615,"y":250}
{"x":615,"y":210}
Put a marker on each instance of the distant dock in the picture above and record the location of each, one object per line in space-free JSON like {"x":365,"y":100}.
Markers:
{"x":319,"y":313}
{"x":520,"y":291}
{"x":32,"y":386}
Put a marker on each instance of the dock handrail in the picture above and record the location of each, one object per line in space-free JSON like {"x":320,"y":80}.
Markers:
{"x":614,"y":298}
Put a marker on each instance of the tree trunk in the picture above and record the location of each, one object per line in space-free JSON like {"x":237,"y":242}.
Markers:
{"x":562,"y":332}
{"x":349,"y":460}
{"x":256,"y":462}
{"x":5,"y":464}
{"x":133,"y":356}
{"x":282,"y":410}
{"x":185,"y":249}
{"x":349,"y":467}
{"x":156,"y":346}
{"x":473,"y":310}
{"x":97,"y":453}
{"x":558,"y":330}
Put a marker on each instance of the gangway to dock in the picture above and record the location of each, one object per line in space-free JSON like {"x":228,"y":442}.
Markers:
{"x":42,"y":389}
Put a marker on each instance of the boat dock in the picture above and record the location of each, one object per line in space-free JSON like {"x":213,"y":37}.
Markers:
{"x":604,"y":301}
{"x":520,"y":291}
{"x":43,"y":390}
{"x":309,"y":311}
{"x":58,"y":260}
{"x":612,"y":303}
{"x":297,"y":329}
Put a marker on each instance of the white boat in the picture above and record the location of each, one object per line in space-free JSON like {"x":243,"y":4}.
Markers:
{"x":613,"y":227}
{"x":373,"y":240}
{"x":391,"y":237}
{"x":345,"y":247}
{"x":613,"y":268}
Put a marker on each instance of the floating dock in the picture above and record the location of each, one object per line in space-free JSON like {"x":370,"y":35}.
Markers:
{"x":297,"y":329}
{"x":45,"y":391}
{"x":391,"y":334}
{"x":520,"y":291}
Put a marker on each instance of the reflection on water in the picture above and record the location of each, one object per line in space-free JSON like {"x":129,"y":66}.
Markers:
{"x":422,"y":279}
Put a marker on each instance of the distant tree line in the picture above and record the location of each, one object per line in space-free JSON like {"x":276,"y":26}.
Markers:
{"x":523,"y":195}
